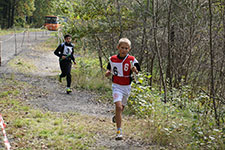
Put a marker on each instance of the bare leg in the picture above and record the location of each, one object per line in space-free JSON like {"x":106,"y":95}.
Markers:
{"x":119,"y":110}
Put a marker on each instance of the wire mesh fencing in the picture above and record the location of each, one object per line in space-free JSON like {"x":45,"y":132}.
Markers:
{"x":12,"y":44}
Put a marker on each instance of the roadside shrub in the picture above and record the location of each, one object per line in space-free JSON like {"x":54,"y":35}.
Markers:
{"x":87,"y":75}
{"x":186,"y":119}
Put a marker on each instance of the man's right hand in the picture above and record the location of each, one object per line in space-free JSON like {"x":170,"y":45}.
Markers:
{"x":108,"y":73}
{"x":63,"y":57}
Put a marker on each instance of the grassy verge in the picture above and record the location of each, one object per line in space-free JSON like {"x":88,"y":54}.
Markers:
{"x":23,"y":64}
{"x":10,"y":31}
{"x":30,"y":128}
{"x":48,"y":46}
{"x":19,"y":30}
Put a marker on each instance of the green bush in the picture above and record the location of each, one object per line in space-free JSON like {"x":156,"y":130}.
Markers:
{"x":187,"y":116}
{"x":88,"y":75}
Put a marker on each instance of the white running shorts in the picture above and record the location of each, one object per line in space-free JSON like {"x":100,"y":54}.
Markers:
{"x":121,"y":93}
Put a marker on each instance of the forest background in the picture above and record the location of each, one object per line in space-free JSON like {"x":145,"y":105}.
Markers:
{"x":180,"y":45}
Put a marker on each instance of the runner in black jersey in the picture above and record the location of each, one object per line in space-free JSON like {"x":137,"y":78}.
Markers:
{"x":65,"y":53}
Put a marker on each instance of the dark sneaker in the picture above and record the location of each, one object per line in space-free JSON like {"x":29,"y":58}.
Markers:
{"x":114,"y":119}
{"x":60,"y":79}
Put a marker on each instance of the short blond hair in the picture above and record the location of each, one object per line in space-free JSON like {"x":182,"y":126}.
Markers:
{"x":124,"y":40}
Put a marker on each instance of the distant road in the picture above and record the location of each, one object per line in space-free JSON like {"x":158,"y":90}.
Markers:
{"x":10,"y":46}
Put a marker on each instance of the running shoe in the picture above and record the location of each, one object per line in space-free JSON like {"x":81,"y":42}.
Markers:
{"x":68,"y":90}
{"x":60,"y":78}
{"x":119,"y":135}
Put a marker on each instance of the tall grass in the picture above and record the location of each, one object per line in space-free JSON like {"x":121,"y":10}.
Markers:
{"x":88,"y":75}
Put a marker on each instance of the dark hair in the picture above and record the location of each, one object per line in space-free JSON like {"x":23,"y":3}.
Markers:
{"x":67,"y":35}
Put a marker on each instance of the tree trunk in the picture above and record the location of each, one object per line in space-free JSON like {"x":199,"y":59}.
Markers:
{"x":212,"y":90}
{"x":13,"y":12}
{"x":144,"y":37}
{"x":120,"y":21}
{"x":9,"y":15}
{"x":100,"y":53}
{"x":150,"y":69}
{"x":169,"y":40}
{"x":157,"y":49}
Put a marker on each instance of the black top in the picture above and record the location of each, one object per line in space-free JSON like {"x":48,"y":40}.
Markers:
{"x":65,"y":49}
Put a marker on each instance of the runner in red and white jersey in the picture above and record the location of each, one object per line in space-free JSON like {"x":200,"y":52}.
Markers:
{"x":121,"y":67}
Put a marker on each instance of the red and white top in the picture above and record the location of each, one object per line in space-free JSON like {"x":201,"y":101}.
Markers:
{"x":121,"y":69}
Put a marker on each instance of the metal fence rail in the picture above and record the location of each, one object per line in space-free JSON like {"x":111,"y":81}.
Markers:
{"x":12,"y":44}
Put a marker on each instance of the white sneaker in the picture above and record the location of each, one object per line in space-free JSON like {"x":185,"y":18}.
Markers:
{"x":119,"y":135}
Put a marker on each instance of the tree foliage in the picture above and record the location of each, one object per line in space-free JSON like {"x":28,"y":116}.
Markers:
{"x":43,"y":8}
{"x":25,"y":12}
{"x":182,"y":27}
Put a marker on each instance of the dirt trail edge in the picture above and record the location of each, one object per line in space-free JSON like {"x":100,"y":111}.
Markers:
{"x":50,"y":95}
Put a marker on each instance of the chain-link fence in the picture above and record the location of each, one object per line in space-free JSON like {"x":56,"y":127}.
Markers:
{"x":12,"y":44}
{"x":60,"y":36}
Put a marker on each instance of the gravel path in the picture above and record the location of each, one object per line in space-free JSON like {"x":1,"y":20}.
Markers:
{"x":50,"y":93}
{"x":44,"y":77}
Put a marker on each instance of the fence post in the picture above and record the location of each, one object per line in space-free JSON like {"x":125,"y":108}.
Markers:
{"x":0,"y":53}
{"x":28,"y":35}
{"x":58,"y":38}
{"x":15,"y":43}
{"x":24,"y":34}
{"x":35,"y":34}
